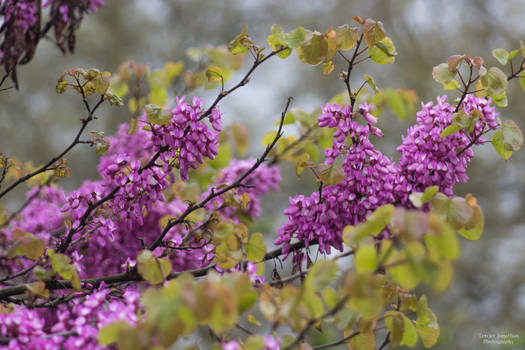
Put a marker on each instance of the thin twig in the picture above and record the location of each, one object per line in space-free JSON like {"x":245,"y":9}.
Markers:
{"x":47,"y":166}
{"x":313,"y":321}
{"x":243,"y":81}
{"x":385,"y":342}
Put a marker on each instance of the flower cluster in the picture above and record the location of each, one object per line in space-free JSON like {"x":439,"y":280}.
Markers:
{"x":371,"y":180}
{"x":139,"y":187}
{"x":71,"y":326}
{"x":257,"y":184}
{"x":22,"y":327}
{"x":427,"y":159}
{"x":68,"y":9}
{"x":188,"y":138}
{"x":21,"y":27}
{"x":21,"y":12}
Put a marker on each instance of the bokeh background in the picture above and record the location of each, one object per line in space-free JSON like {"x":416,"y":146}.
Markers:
{"x":488,"y":294}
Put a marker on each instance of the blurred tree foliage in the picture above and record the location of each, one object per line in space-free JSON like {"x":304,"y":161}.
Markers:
{"x":488,"y":294}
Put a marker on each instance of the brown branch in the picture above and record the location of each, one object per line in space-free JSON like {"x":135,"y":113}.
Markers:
{"x":337,"y":342}
{"x":350,"y":67}
{"x":48,"y":165}
{"x":20,"y":273}
{"x":473,"y":141}
{"x":465,"y":91}
{"x":313,"y":321}
{"x":516,"y":73}
{"x":133,"y":276}
{"x":385,"y":342}
{"x":243,"y":81}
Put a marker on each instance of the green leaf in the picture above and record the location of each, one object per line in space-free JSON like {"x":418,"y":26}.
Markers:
{"x":443,"y":241}
{"x":346,"y":37}
{"x":474,"y":228}
{"x":240,"y":137}
{"x":404,"y":275}
{"x":153,"y":269}
{"x":113,"y":98}
{"x":449,"y":130}
{"x":109,"y":334}
{"x":459,"y":212}
{"x":61,"y":84}
{"x":276,"y":44}
{"x":500,"y":100}
{"x":374,"y":224}
{"x":60,"y":263}
{"x":101,"y":84}
{"x":496,"y":81}
{"x":442,"y":74}
{"x":370,"y":82}
{"x":255,"y":249}
{"x":330,"y":174}
{"x":522,"y":82}
{"x":383,"y":51}
{"x":223,"y":157}
{"x":396,"y":326}
{"x":240,"y":44}
{"x":363,"y":341}
{"x":429,"y":193}
{"x":302,"y":163}
{"x":214,"y":74}
{"x":373,"y":32}
{"x":451,"y":85}
{"x":420,"y":198}
{"x":366,"y":258}
{"x":157,"y":115}
{"x":501,"y":55}
{"x":26,"y":244}
{"x":254,"y":342}
{"x":409,"y":332}
{"x":269,"y":137}
{"x":426,"y":324}
{"x":314,"y":49}
{"x":293,"y":39}
{"x":321,"y":274}
{"x":327,"y":68}
{"x":101,"y":146}
{"x":444,"y":276}
{"x":497,"y":143}
{"x":512,"y":136}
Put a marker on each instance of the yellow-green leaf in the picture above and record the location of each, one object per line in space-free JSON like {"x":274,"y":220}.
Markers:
{"x":153,"y":269}
{"x":501,"y":55}
{"x":366,"y":258}
{"x":512,"y":136}
{"x":157,"y":115}
{"x":497,"y":144}
{"x":373,"y":32}
{"x":255,"y":249}
{"x":383,"y":51}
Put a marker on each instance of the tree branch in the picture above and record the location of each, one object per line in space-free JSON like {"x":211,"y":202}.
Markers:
{"x":243,"y":81}
{"x":133,"y":275}
{"x":46,"y":167}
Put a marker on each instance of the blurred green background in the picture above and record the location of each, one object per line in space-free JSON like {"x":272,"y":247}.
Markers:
{"x":488,"y":294}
